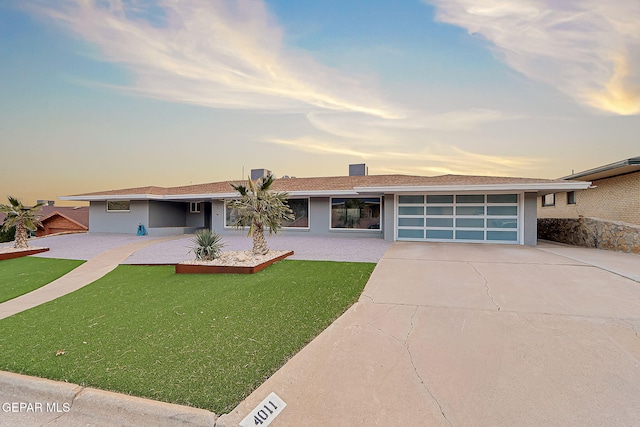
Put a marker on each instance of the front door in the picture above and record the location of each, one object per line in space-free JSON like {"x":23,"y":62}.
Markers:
{"x":207,"y":215}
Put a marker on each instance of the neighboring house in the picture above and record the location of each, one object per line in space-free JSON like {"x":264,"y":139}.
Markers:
{"x":392,"y":207}
{"x":614,"y":195}
{"x":607,"y":214}
{"x":61,"y":219}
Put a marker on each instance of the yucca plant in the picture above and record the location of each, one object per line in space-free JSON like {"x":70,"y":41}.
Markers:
{"x":207,"y":245}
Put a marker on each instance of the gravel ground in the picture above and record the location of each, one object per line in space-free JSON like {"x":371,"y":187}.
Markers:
{"x":87,"y":245}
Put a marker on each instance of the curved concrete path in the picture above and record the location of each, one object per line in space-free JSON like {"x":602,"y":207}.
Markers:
{"x":86,"y":273}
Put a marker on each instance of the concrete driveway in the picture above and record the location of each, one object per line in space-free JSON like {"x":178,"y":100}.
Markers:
{"x":474,"y":335}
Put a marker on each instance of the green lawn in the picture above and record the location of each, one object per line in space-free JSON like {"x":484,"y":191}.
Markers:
{"x":198,"y":340}
{"x":19,"y":276}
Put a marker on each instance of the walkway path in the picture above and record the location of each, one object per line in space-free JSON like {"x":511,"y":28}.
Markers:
{"x":87,"y":273}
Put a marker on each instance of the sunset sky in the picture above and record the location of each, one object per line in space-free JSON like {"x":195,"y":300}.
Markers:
{"x":106,"y":94}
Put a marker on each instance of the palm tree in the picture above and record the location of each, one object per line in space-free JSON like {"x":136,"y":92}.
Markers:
{"x":23,"y":218}
{"x":258,"y":207}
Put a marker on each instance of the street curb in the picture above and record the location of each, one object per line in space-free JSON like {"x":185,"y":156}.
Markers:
{"x":99,"y":407}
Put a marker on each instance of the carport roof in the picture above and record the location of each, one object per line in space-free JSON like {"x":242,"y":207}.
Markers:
{"x":608,"y":171}
{"x":344,"y":185}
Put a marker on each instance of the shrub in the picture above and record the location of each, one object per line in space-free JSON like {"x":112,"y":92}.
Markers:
{"x":7,"y":235}
{"x":207,"y":245}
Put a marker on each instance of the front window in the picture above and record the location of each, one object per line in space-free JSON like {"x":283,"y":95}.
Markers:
{"x":355,"y":213}
{"x":571,"y":198}
{"x":194,"y":207}
{"x":549,"y":200}
{"x":300,"y":208}
{"x":118,"y":205}
{"x":231,"y":216}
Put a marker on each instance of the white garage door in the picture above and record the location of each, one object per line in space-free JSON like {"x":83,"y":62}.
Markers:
{"x":458,"y":217}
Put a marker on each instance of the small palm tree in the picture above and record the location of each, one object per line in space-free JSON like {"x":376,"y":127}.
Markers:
{"x":207,"y":245}
{"x":259,"y":207}
{"x":23,"y":218}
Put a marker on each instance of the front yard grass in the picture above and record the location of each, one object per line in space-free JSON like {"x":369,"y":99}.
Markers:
{"x":19,"y":276}
{"x":199,"y":340}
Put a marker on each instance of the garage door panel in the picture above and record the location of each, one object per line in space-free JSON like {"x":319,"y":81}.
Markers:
{"x":470,"y":222}
{"x":409,"y":233}
{"x":440,"y":234}
{"x":469,"y":234}
{"x":459,"y":217}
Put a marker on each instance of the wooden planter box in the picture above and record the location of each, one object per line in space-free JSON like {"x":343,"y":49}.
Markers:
{"x":226,"y":269}
{"x":18,"y":254}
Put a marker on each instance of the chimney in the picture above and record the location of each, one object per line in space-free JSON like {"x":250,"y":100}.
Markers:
{"x":358,"y":170}
{"x":259,"y":173}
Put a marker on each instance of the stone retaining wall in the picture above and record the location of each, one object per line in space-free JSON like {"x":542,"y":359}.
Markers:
{"x":592,"y":233}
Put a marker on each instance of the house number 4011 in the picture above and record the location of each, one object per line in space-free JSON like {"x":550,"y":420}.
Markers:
{"x":265,"y":412}
{"x":262,"y":415}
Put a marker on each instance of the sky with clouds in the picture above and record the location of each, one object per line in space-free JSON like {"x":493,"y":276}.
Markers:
{"x":104,"y":94}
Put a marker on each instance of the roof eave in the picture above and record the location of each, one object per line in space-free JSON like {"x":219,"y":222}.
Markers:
{"x":203,"y":196}
{"x":295,"y":193}
{"x":540,"y":188}
{"x":104,"y":197}
{"x":607,"y":171}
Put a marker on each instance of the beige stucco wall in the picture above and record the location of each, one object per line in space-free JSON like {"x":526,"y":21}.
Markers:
{"x":614,"y":199}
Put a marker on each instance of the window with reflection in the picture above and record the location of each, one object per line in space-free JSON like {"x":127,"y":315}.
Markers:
{"x":300,"y":208}
{"x":118,"y":205}
{"x":355,"y":213}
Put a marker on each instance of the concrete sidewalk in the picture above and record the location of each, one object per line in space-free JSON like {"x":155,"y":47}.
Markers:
{"x":54,"y":403}
{"x":483,"y":335}
{"x":623,"y":264}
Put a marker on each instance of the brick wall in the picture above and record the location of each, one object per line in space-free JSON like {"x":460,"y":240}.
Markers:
{"x":561,"y":209}
{"x":613,"y":199}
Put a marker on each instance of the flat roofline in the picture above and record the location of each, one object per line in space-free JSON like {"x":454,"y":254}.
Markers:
{"x":607,"y":171}
{"x":541,"y":188}
{"x":201,"y":197}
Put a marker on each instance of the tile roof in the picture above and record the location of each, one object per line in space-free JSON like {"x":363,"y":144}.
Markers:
{"x":336,"y":183}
